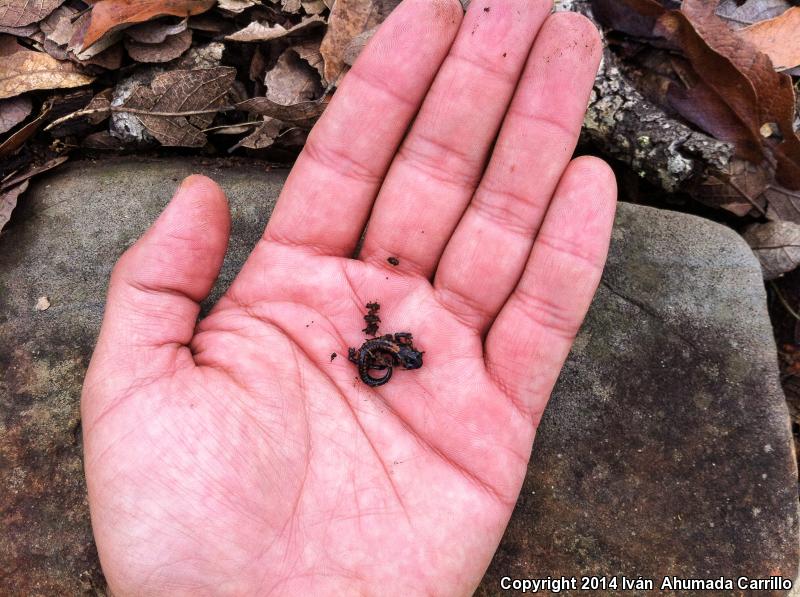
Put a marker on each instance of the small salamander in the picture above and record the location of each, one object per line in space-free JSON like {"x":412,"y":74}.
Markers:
{"x":382,"y":354}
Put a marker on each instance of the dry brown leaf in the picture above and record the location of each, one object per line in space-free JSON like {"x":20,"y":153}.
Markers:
{"x":291,"y":81}
{"x":25,"y":70}
{"x":13,"y":111}
{"x":739,"y":189}
{"x":782,"y":203}
{"x":179,"y":104}
{"x":12,"y":187}
{"x":18,"y":139}
{"x":304,"y":114}
{"x":348,"y":19}
{"x":155,"y":32}
{"x":777,"y":246}
{"x":8,"y":201}
{"x":111,"y":15}
{"x":778,"y":38}
{"x":741,"y":14}
{"x":264,"y":136}
{"x":313,"y":7}
{"x":31,"y":172}
{"x":308,"y":50}
{"x":18,"y":13}
{"x":59,"y":26}
{"x":26,"y":31}
{"x":260,"y":32}
{"x":236,"y":6}
{"x":291,"y":6}
{"x":171,"y":48}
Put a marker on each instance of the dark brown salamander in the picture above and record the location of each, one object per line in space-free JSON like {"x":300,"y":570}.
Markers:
{"x":384,"y":353}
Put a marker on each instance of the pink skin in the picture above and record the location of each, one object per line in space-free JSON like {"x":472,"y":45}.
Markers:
{"x":231,"y":456}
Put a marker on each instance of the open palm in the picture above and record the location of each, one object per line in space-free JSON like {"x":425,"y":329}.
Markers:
{"x":236,"y":456}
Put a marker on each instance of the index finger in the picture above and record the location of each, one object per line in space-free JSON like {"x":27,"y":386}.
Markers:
{"x":328,"y":196}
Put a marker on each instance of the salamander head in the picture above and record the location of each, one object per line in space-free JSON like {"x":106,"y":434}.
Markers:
{"x":409,"y":358}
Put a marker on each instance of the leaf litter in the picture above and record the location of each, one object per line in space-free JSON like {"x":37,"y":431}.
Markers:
{"x":725,"y":68}
{"x":97,"y":77}
{"x":93,"y":77}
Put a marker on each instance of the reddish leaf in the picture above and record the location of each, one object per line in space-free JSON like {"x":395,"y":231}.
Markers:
{"x":778,"y":38}
{"x":111,"y":15}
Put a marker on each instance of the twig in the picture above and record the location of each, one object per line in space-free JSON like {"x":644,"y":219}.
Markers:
{"x":254,"y":123}
{"x":121,"y":109}
{"x":783,"y":301}
{"x":172,"y":114}
{"x":79,"y":14}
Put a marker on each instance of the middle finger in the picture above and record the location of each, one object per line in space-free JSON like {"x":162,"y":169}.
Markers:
{"x":440,"y":162}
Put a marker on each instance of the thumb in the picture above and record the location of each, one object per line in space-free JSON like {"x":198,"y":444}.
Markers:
{"x":157,"y":284}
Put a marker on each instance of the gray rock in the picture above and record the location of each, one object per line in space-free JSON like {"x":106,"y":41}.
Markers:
{"x":665,"y":449}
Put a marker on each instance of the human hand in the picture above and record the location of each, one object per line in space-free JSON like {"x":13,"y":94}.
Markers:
{"x":232,"y":456}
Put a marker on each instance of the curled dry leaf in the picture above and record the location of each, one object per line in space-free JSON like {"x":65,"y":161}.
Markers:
{"x":236,"y":6}
{"x":777,"y":246}
{"x":155,"y":32}
{"x":291,"y":80}
{"x":31,"y":172}
{"x":18,"y":139}
{"x":179,"y":104}
{"x":171,"y":48}
{"x":19,"y":13}
{"x":112,"y":15}
{"x":308,"y":50}
{"x":25,"y":70}
{"x":304,"y":114}
{"x":258,"y":32}
{"x":289,"y":83}
{"x":13,"y":111}
{"x":778,"y":38}
{"x":11,"y":188}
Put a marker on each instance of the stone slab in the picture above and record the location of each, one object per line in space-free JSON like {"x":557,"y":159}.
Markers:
{"x":665,"y":449}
